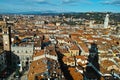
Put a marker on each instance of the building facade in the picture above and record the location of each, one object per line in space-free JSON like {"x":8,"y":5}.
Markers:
{"x":22,"y":55}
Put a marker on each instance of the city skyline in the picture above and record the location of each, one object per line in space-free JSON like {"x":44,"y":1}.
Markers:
{"x":58,"y":46}
{"x":15,"y":6}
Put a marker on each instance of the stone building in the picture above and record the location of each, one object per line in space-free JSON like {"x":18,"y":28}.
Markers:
{"x":22,"y":54}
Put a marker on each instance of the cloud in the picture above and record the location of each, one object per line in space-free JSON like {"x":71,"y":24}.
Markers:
{"x":69,"y":1}
{"x":111,"y":2}
{"x":45,"y":2}
{"x":74,"y":2}
{"x":41,"y":1}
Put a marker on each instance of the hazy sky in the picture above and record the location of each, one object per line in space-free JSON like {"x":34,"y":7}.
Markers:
{"x":59,"y":5}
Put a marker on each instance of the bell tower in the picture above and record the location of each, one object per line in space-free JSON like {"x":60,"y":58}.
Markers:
{"x":6,"y":32}
{"x":106,"y":21}
{"x":6,"y":25}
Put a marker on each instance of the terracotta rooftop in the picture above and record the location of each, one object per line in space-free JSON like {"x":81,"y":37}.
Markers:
{"x":117,"y":60}
{"x":84,"y":47}
{"x":51,"y":50}
{"x":38,"y":53}
{"x":105,"y":55}
{"x":63,"y":51}
{"x":40,"y":67}
{"x":107,"y":63}
{"x":104,"y":70}
{"x":74,"y":47}
{"x":81,"y":57}
{"x":36,"y":67}
{"x":68,"y":59}
{"x":75,"y":75}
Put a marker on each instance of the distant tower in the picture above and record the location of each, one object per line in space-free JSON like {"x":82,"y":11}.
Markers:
{"x":91,"y":24}
{"x":6,"y":30}
{"x":106,"y":21}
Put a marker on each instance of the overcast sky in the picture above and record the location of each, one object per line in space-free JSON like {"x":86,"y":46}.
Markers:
{"x":60,"y":5}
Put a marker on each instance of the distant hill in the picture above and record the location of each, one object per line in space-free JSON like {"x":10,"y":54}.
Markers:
{"x":49,"y":12}
{"x":98,"y":16}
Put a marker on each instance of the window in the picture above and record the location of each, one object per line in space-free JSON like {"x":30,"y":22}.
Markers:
{"x":2,"y":58}
{"x":5,"y":32}
{"x":23,"y":58}
{"x":17,"y":51}
{"x":27,"y":58}
{"x":30,"y":57}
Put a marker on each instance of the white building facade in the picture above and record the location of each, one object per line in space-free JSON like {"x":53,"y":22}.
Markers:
{"x":22,"y":55}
